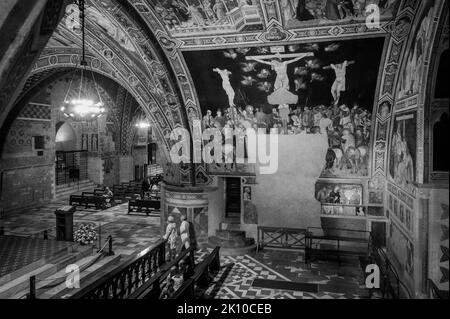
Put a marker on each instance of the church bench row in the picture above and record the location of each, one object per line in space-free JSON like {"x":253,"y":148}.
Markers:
{"x":99,"y":202}
{"x":143,"y":206}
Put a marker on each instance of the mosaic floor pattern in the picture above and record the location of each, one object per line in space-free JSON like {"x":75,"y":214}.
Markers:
{"x":17,"y":252}
{"x":130,"y":233}
{"x":133,"y":233}
{"x":235,"y":279}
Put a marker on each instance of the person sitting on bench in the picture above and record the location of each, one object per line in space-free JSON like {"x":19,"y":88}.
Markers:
{"x":145,"y":186}
{"x":108,"y":194}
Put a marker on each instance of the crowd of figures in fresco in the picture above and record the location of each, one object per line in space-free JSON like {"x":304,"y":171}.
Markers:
{"x":333,"y":10}
{"x":324,"y":89}
{"x":347,"y":128}
{"x":188,"y":13}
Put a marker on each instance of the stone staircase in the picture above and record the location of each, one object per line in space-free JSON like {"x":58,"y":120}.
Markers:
{"x":14,"y":283}
{"x":51,"y":277}
{"x":63,"y":191}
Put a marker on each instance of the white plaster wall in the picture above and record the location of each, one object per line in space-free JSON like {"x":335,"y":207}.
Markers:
{"x":286,"y":198}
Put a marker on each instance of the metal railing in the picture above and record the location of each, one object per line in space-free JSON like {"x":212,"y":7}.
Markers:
{"x":278,"y":237}
{"x":391,"y":285}
{"x":71,"y":167}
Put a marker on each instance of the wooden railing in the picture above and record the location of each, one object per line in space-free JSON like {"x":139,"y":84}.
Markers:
{"x":201,"y":276}
{"x":153,"y":287}
{"x":126,"y":279}
{"x":435,"y":293}
{"x":277,"y":237}
{"x":391,"y":285}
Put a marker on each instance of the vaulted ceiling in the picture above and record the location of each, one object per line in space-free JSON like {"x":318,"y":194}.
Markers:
{"x":139,"y":43}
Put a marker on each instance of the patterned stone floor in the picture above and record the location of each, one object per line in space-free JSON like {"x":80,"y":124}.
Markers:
{"x":235,"y":279}
{"x":17,"y":252}
{"x":135,"y":232}
{"x":130,"y":233}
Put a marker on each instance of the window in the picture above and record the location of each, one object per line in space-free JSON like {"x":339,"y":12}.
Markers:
{"x":38,"y":142}
{"x":151,"y":153}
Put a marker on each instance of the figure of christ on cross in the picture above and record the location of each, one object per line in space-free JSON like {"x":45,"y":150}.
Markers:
{"x":339,"y":84}
{"x":281,"y":95}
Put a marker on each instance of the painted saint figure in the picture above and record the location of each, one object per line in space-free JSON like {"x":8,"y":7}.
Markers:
{"x":225,"y":75}
{"x":339,"y":84}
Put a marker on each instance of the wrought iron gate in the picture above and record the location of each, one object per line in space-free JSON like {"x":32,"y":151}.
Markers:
{"x":71,"y":167}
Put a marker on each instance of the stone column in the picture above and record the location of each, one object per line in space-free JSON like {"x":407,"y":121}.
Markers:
{"x":126,"y":169}
{"x":422,"y":239}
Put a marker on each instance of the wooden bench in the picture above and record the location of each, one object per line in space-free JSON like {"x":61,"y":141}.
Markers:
{"x":201,"y":277}
{"x":77,"y":200}
{"x":143,"y":205}
{"x":327,"y":237}
{"x":203,"y":270}
{"x":88,"y":200}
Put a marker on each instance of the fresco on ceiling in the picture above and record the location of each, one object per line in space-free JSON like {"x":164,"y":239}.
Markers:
{"x":209,"y":15}
{"x":298,"y":13}
{"x":93,"y":15}
{"x":316,"y":88}
{"x":402,"y":157}
{"x":410,"y":80}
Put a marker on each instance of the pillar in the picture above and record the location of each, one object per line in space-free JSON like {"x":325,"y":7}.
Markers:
{"x":189,"y":201}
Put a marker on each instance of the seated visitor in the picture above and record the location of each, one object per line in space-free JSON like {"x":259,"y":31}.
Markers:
{"x":145,"y":186}
{"x":168,"y":291}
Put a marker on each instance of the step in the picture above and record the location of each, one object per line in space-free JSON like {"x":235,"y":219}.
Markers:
{"x":230,"y":234}
{"x":38,"y":263}
{"x":231,"y":248}
{"x":21,"y":283}
{"x":75,"y":184}
{"x":230,"y":243}
{"x":74,"y":189}
{"x":230,"y":226}
{"x":89,"y":275}
{"x":78,"y":191}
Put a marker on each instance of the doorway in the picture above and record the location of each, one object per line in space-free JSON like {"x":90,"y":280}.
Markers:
{"x":233,"y":199}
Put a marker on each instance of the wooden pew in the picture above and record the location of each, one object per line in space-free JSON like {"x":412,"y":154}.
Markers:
{"x":203,"y":270}
{"x":88,"y":200}
{"x":201,"y":276}
{"x":143,"y":205}
{"x":77,"y":200}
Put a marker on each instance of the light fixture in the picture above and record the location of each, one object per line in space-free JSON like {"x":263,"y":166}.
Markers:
{"x":83,"y":108}
{"x":142,"y":124}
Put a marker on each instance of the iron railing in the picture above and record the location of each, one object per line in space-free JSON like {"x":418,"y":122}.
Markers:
{"x":277,"y":237}
{"x":71,"y":167}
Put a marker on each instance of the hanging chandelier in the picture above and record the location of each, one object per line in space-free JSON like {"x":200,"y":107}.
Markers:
{"x":83,"y":107}
{"x":142,"y":123}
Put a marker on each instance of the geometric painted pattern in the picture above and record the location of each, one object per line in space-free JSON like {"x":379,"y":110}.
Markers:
{"x":33,"y":111}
